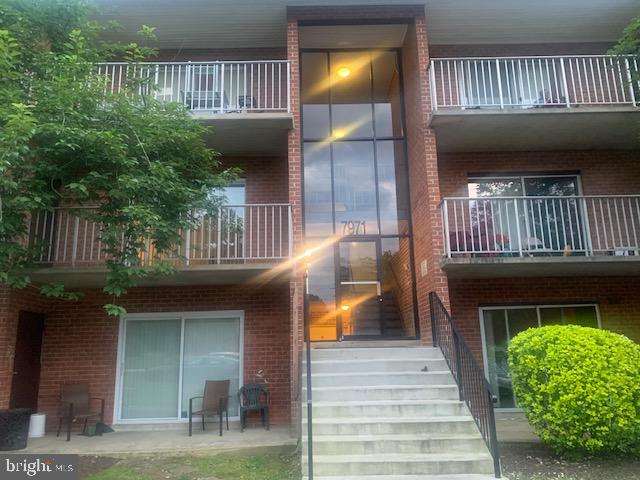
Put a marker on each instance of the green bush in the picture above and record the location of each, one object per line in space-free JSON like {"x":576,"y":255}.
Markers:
{"x":579,"y":387}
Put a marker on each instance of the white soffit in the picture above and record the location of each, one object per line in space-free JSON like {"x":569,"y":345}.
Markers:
{"x":353,"y":36}
{"x":262,"y":23}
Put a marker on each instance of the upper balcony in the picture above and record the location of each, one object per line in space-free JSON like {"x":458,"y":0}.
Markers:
{"x":541,"y":236}
{"x":234,"y":97}
{"x":536,"y":103}
{"x":233,"y":244}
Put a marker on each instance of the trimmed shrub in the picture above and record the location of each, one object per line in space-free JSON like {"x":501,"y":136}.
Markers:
{"x":579,"y":387}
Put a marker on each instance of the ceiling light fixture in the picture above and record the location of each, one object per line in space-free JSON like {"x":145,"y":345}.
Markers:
{"x":343,"y":72}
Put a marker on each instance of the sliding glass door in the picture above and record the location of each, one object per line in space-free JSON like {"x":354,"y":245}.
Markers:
{"x":500,"y":324}
{"x":167,"y":359}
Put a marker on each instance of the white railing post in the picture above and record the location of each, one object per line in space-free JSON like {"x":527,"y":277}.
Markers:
{"x":187,"y":247}
{"x":586,"y":227}
{"x":447,"y":239}
{"x":290,"y":225}
{"x":288,"y":87}
{"x":74,"y":250}
{"x":222,"y":85}
{"x":499,"y":83}
{"x":219,"y":237}
{"x":565,"y":84}
{"x":632,"y":92}
{"x":432,"y":76}
{"x":518,"y":232}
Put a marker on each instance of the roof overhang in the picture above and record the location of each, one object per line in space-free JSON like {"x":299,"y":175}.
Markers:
{"x":262,"y":23}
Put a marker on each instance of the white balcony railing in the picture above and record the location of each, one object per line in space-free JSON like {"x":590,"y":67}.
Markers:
{"x":215,"y":87}
{"x":233,"y":234}
{"x":538,"y":226}
{"x":534,"y":82}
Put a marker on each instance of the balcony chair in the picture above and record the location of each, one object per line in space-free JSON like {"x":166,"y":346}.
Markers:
{"x":215,"y":401}
{"x":254,"y":398}
{"x":76,"y":405}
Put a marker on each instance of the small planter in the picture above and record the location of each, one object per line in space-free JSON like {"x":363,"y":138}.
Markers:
{"x":14,"y":428}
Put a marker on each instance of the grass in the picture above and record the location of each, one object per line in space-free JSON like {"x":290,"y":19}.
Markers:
{"x":188,"y":467}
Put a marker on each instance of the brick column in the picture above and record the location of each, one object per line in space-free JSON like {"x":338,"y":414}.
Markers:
{"x":294,"y":162}
{"x":423,"y":174}
{"x":7,"y":346}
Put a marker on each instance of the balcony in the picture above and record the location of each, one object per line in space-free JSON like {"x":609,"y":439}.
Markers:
{"x":231,"y":245}
{"x":234,"y":97}
{"x":535,"y":103}
{"x":541,"y":236}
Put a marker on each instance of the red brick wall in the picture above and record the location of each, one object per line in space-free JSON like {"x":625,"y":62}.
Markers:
{"x":212,"y":54}
{"x":618,"y":299}
{"x":296,"y":285}
{"x":514,"y":50}
{"x":80,"y":341}
{"x":11,"y":303}
{"x":602,"y":172}
{"x":423,"y":172}
{"x":266,"y":178}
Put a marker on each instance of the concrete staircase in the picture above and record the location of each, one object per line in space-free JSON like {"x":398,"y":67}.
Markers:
{"x":389,"y":411}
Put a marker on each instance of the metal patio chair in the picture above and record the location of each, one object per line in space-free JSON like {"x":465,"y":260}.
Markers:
{"x":215,"y":401}
{"x":254,"y":397}
{"x":76,"y":405}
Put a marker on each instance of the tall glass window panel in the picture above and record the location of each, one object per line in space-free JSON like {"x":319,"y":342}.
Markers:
{"x":355,"y":188}
{"x":322,"y":296}
{"x":386,"y":94}
{"x":151,"y":369}
{"x":393,"y":187}
{"x":211,"y":352}
{"x":397,"y":287}
{"x":497,"y":345}
{"x":318,"y":202}
{"x":315,"y":85}
{"x":351,"y":109}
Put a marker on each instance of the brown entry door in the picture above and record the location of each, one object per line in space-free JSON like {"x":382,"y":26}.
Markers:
{"x":26,"y":363}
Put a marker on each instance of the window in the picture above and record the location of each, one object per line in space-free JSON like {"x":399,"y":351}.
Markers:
{"x":500,"y":324}
{"x":165,"y":360}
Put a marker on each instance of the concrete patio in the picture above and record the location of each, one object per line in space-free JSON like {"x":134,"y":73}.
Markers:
{"x":174,"y":440}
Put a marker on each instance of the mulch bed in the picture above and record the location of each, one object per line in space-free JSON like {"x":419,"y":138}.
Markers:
{"x":534,"y":461}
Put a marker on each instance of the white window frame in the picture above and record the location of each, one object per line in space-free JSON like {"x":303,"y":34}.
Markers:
{"x":485,"y":357}
{"x":521,"y":178}
{"x":182,"y":316}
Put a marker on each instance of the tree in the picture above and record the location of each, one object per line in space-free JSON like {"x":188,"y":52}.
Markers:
{"x":65,"y":140}
{"x":629,"y":43}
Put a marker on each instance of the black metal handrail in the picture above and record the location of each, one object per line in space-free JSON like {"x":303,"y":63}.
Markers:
{"x":473,"y":387}
{"x":307,"y":339}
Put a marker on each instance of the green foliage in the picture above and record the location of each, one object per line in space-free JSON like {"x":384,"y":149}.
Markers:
{"x":65,"y":140}
{"x":579,"y":387}
{"x":629,"y":43}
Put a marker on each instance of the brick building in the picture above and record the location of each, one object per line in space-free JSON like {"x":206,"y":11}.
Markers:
{"x":389,"y":150}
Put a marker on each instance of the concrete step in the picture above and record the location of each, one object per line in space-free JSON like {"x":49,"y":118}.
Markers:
{"x":388,"y":408}
{"x":391,"y":425}
{"x":407,"y":477}
{"x":381,"y":444}
{"x":378,"y":365}
{"x":411,"y":350}
{"x":379,"y":378}
{"x":383,"y":392}
{"x":402,"y":464}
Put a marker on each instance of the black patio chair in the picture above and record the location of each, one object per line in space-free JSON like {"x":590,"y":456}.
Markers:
{"x":215,"y":401}
{"x":254,"y":398}
{"x":76,"y":405}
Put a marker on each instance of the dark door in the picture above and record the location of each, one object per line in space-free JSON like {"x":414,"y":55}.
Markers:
{"x":26,"y":363}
